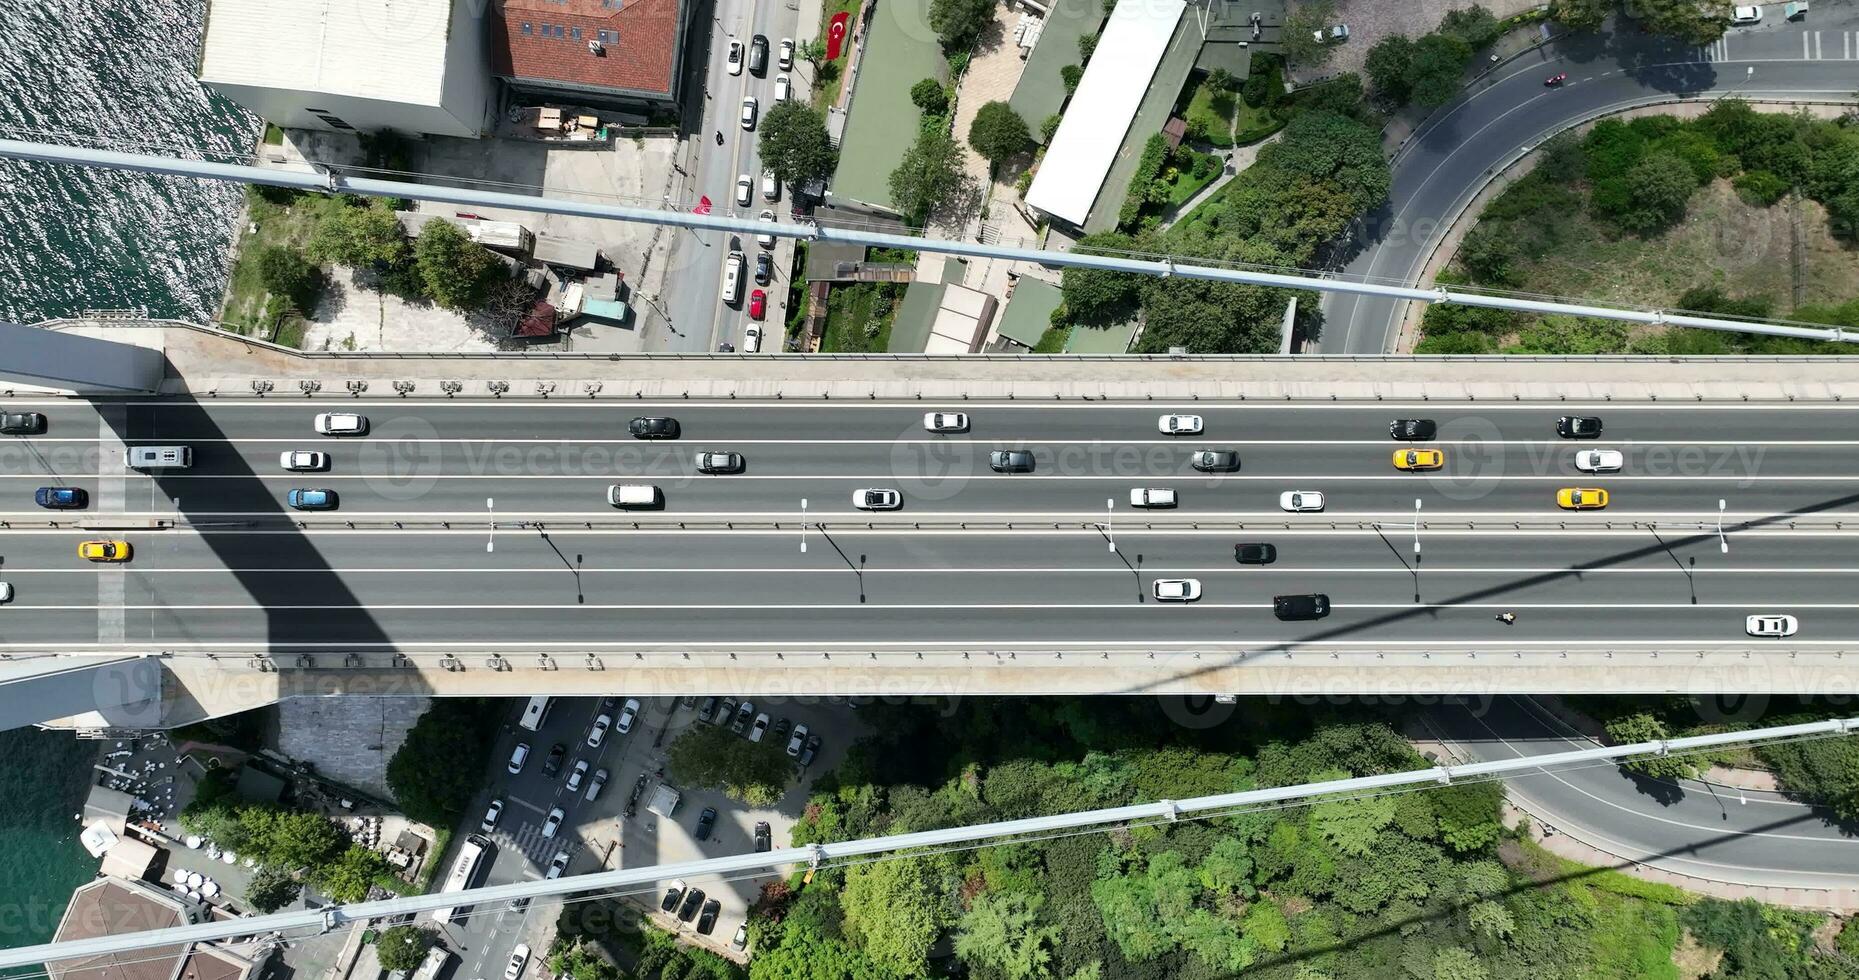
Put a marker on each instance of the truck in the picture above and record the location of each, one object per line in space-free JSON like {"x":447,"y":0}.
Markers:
{"x":664,"y":802}
{"x":568,"y":254}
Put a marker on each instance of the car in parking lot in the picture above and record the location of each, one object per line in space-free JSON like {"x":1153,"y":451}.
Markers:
{"x":744,"y":712}
{"x":552,"y":766}
{"x":303,"y":460}
{"x":759,"y":727}
{"x":706,"y":920}
{"x":1746,"y":15}
{"x":707,"y":708}
{"x":1215,"y":460}
{"x":693,"y":900}
{"x":341,"y":424}
{"x":1152,"y":497}
{"x":1578,"y":427}
{"x":552,"y":823}
{"x":1419,"y":459}
{"x":518,"y":756}
{"x":877,"y":499}
{"x":1772,"y":625}
{"x":597,"y":733}
{"x":1599,"y":460}
{"x":726,"y":712}
{"x":808,"y":751}
{"x":629,"y":712}
{"x":1314,"y":605}
{"x":797,"y":740}
{"x":708,"y":462}
{"x":674,"y":893}
{"x":21,"y":423}
{"x":1011,"y":461}
{"x":311,"y":498}
{"x":1177,"y":589}
{"x":575,"y":775}
{"x":557,"y":865}
{"x":706,"y":821}
{"x":764,"y":839}
{"x":60,"y":498}
{"x":595,"y":785}
{"x":519,"y":958}
{"x":749,"y":109}
{"x":1418,"y":429}
{"x":1581,"y":498}
{"x":491,"y":814}
{"x":104,"y":550}
{"x":1255,"y":553}
{"x":1300,"y":501}
{"x":745,"y":190}
{"x":946,"y":421}
{"x":740,"y":941}
{"x":1180,"y":425}
{"x":653,"y":428}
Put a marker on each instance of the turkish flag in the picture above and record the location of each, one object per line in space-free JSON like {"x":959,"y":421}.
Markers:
{"x":836,"y":34}
{"x":703,"y":205}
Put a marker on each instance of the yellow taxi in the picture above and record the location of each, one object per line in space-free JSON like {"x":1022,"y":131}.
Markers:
{"x":104,"y":550}
{"x":1419,"y":459}
{"x":1581,"y":498}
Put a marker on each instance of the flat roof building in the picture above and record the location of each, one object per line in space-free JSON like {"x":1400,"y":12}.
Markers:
{"x":411,"y":66}
{"x":595,"y":52}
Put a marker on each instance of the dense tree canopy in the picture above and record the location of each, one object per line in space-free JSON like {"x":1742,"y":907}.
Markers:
{"x":959,"y":22}
{"x":929,"y":177}
{"x":458,"y":272}
{"x":403,"y":947}
{"x":440,"y":767}
{"x":997,"y":132}
{"x":711,"y":756}
{"x":795,"y":145}
{"x":363,"y":236}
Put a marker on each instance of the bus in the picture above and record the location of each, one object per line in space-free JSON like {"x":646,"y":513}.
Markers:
{"x":535,"y":713}
{"x":464,"y":869}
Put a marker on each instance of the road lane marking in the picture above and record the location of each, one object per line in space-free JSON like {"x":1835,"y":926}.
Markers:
{"x":998,"y":606}
{"x":1279,"y":569}
{"x":631,"y":408}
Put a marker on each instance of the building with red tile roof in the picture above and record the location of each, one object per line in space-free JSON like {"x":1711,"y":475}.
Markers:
{"x":597,"y":52}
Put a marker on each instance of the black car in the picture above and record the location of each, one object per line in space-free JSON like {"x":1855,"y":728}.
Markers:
{"x":706,"y":921}
{"x":632,"y":802}
{"x":653,"y":428}
{"x":705,"y":822}
{"x":22,"y":423}
{"x":764,"y":268}
{"x":60,"y":498}
{"x":782,"y":727}
{"x":1256,"y":553}
{"x":708,"y":708}
{"x":758,"y":55}
{"x":1215,"y":461}
{"x":693,"y":900}
{"x":1313,"y":606}
{"x":552,"y":766}
{"x":764,"y":840}
{"x":1011,"y":461}
{"x":1578,"y":427}
{"x":672,"y":895}
{"x":808,"y":751}
{"x":1412,"y":429}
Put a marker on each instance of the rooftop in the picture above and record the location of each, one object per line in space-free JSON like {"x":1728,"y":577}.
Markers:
{"x":339,"y":47}
{"x":1041,"y":91}
{"x":1029,"y":311}
{"x":549,"y":41}
{"x":110,"y":906}
{"x":882,"y":122}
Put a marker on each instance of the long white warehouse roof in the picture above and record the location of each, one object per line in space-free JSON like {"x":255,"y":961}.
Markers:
{"x":393,"y":50}
{"x":1100,"y":112}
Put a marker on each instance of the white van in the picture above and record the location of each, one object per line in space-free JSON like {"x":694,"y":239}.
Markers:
{"x":632,"y":495}
{"x":733,"y":268}
{"x":1152,"y":497}
{"x":160,"y":457}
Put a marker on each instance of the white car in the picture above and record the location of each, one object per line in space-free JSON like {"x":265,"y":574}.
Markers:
{"x":752,"y":339}
{"x":767,"y":240}
{"x":735,"y":57}
{"x":749,"y":108}
{"x":1745,"y":15}
{"x":1297,"y":501}
{"x":745,"y":190}
{"x":1599,"y":460}
{"x":490,"y":816}
{"x":784,"y":54}
{"x":598,"y":733}
{"x":518,"y":756}
{"x":6,"y":592}
{"x":759,"y":728}
{"x":553,"y":823}
{"x":783,"y":88}
{"x":341,"y":424}
{"x":1179,"y":425}
{"x":740,"y":941}
{"x":1177,"y":589}
{"x":301,"y":460}
{"x":771,"y":188}
{"x":557,"y":865}
{"x":797,"y":740}
{"x":519,"y":958}
{"x":629,"y":712}
{"x":877,"y":499}
{"x":718,"y":462}
{"x":1772,"y":625}
{"x":1152,"y":497}
{"x":946,"y":421}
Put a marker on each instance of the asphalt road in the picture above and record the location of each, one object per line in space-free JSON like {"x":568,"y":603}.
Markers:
{"x":561,"y":570}
{"x":1448,"y":160}
{"x":1684,"y":826}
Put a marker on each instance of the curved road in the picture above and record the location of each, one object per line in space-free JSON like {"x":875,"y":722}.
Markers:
{"x":1447,"y":161}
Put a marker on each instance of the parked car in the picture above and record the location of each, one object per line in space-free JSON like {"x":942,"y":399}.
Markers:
{"x":785,"y":54}
{"x":595,"y":785}
{"x":1746,"y":15}
{"x":764,"y":840}
{"x":745,"y":190}
{"x":552,"y":823}
{"x":303,"y":460}
{"x":707,"y":709}
{"x":758,"y":304}
{"x":21,"y":423}
{"x":557,"y":865}
{"x":1334,"y":35}
{"x":552,"y":766}
{"x":780,"y":730}
{"x":765,"y":263}
{"x":706,"y":920}
{"x":797,"y":741}
{"x":674,"y":893}
{"x":706,"y":821}
{"x":771,"y":188}
{"x":749,"y":109}
{"x":341,"y":424}
{"x":784,"y":89}
{"x":494,"y":811}
{"x":759,"y":727}
{"x":740,"y":941}
{"x":61,"y":498}
{"x":653,"y":428}
{"x":726,"y":712}
{"x":734,"y":58}
{"x":744,"y":712}
{"x":629,"y":712}
{"x":1412,"y":429}
{"x":693,"y":900}
{"x":808,"y":751}
{"x":1215,"y":460}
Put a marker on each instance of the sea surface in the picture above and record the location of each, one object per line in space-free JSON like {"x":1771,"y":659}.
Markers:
{"x":73,"y":238}
{"x":43,"y":779}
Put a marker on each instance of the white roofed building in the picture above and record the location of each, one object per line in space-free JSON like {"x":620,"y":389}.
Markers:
{"x":411,"y":66}
{"x":1098,"y":117}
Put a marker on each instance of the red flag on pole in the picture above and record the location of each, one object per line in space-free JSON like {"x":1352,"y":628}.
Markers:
{"x":703,"y":205}
{"x":836,"y":34}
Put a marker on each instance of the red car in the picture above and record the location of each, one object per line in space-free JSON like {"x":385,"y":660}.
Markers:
{"x":758,"y":303}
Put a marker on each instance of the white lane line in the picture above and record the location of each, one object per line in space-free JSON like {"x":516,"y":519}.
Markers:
{"x":623,"y":412}
{"x":1278,"y":528}
{"x":1189,"y":443}
{"x":689,"y":478}
{"x":1008,"y":606}
{"x":1149,"y":567}
{"x":1240,"y":647}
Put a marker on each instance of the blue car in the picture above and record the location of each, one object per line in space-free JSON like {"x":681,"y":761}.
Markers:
{"x":60,"y":498}
{"x":311,"y":499}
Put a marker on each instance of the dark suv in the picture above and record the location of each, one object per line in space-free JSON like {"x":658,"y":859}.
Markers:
{"x":1412,"y":429}
{"x":1011,"y":461}
{"x":758,"y":55}
{"x":22,"y":423}
{"x":60,"y":498}
{"x":653,"y":428}
{"x":1258,"y":553}
{"x":1578,"y":427}
{"x":552,"y":766}
{"x":1313,"y":606}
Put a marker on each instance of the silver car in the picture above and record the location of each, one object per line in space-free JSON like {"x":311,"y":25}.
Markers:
{"x":749,"y":108}
{"x":719,"y":462}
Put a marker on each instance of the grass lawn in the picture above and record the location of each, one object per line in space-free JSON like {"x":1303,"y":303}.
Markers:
{"x":1187,"y":185}
{"x":1205,"y":214}
{"x":849,"y":310}
{"x":826,"y":80}
{"x":1256,"y":124}
{"x":1215,"y":110}
{"x":291,"y":224}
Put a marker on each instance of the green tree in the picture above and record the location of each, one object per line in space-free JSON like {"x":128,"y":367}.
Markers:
{"x":1580,"y":15}
{"x":1221,"y":80}
{"x":218,"y":822}
{"x":998,"y":133}
{"x":1351,"y":825}
{"x":1002,"y":932}
{"x":1099,"y":296}
{"x":1658,"y":188}
{"x":929,"y":96}
{"x":893,"y":914}
{"x":1687,"y":20}
{"x":1437,"y":69}
{"x":271,"y":889}
{"x":1468,"y":815}
{"x":285,"y":272}
{"x":710,"y":756}
{"x":1474,"y":25}
{"x":361,"y":237}
{"x":959,"y":22}
{"x":1458,"y":963}
{"x":795,"y":145}
{"x":458,"y":272}
{"x":291,"y":838}
{"x":1087,"y":46}
{"x":1266,"y":927}
{"x":581,"y":960}
{"x":929,"y":178}
{"x":403,"y":947}
{"x":1643,"y":727}
{"x":1070,"y":76}
{"x":348,"y":877}
{"x":812,"y":52}
{"x":1389,"y":66}
{"x":1491,"y":254}
{"x":1049,"y":126}
{"x":1228,"y":868}
{"x":1323,"y":148}
{"x":1299,"y":40}
{"x":439,"y":768}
